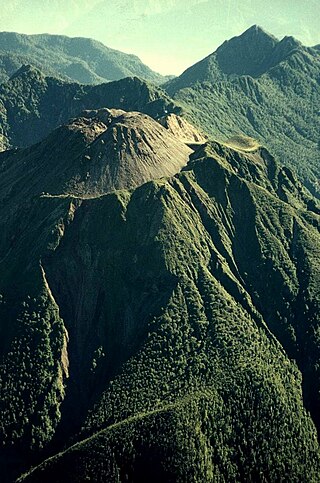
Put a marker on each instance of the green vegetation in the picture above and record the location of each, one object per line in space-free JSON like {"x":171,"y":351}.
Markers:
{"x":260,"y":87}
{"x":190,"y":305}
{"x":31,"y":378}
{"x":75,"y":59}
{"x":198,"y":439}
{"x":32,"y":105}
{"x":159,"y":326}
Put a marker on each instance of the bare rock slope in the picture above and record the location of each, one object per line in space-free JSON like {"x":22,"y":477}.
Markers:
{"x":99,"y":152}
{"x":182,"y":129}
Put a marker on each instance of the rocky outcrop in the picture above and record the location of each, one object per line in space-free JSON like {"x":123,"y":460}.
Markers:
{"x":181,"y":129}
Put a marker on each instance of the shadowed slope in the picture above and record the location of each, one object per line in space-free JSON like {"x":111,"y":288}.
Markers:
{"x":190,"y":306}
{"x":32,"y":105}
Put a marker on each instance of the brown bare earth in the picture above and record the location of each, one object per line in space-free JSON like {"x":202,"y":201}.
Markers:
{"x":182,"y":129}
{"x":101,"y":151}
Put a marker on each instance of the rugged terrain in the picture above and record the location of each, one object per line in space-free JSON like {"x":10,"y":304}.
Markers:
{"x":75,"y":59}
{"x":101,"y":151}
{"x":32,"y":104}
{"x":159,"y":290}
{"x":170,"y":324}
{"x":253,"y":85}
{"x":258,"y":86}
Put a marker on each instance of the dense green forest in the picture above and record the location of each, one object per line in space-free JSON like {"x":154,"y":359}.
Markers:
{"x":159,"y":289}
{"x":189,"y":305}
{"x":32,"y":105}
{"x":258,"y":86}
{"x":75,"y":59}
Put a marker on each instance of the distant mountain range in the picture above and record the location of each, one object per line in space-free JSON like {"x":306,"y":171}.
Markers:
{"x":253,"y":85}
{"x":77,"y":59}
{"x":259,"y":86}
{"x":166,"y":24}
{"x":159,"y":289}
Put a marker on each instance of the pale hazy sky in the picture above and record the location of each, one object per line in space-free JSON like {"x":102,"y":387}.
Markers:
{"x":168,"y":35}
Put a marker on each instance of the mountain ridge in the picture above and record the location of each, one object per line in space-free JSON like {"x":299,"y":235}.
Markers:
{"x":163,"y":276}
{"x":242,"y":49}
{"x":33,"y":104}
{"x":78,"y":59}
{"x":267,"y":100}
{"x":159,"y":289}
{"x":103,"y":150}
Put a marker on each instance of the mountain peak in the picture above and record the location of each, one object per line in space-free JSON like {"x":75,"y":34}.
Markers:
{"x":254,"y":33}
{"x":248,"y":53}
{"x":27,"y":70}
{"x":254,"y":52}
{"x":256,"y":30}
{"x":290,"y":40}
{"x":123,"y":150}
{"x":98,"y":152}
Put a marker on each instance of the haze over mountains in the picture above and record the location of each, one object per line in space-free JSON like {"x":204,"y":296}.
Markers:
{"x":159,"y":297}
{"x":78,"y":59}
{"x":166,"y":24}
